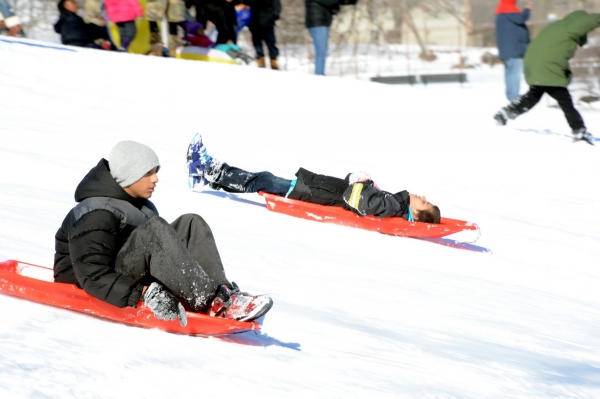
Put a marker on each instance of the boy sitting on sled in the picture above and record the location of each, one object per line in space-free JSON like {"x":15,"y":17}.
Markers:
{"x":114,"y":245}
{"x":357,"y":192}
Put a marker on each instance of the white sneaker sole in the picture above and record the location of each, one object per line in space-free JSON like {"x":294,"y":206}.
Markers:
{"x":260,"y":310}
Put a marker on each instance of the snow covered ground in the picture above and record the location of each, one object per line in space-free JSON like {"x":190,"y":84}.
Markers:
{"x":356,"y":314}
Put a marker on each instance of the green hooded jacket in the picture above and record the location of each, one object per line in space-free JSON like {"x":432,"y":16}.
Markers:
{"x":546,"y":61}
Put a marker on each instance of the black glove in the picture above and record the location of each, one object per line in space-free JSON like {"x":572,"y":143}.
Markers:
{"x":164,"y":305}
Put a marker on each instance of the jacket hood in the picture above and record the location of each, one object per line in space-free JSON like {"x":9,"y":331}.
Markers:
{"x":579,"y":23}
{"x":507,"y":6}
{"x":404,"y":201}
{"x":100,"y":183}
{"x":64,"y":14}
{"x":575,"y":15}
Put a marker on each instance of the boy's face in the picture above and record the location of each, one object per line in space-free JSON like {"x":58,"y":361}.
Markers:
{"x":144,"y":187}
{"x":419,"y":203}
{"x":71,"y":5}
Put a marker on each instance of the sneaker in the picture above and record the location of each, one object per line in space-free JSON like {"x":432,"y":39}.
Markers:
{"x":501,"y":118}
{"x":505,"y":114}
{"x":583,"y":134}
{"x":231,"y":303}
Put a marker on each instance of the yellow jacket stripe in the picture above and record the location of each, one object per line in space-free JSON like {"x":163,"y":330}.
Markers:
{"x":355,"y":195}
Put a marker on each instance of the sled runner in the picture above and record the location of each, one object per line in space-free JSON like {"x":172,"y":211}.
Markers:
{"x":36,"y":283}
{"x":394,"y":225}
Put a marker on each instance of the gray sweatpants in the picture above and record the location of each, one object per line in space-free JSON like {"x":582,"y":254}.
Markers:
{"x":182,"y":256}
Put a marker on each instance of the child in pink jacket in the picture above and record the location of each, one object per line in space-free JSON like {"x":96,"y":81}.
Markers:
{"x":124,"y":13}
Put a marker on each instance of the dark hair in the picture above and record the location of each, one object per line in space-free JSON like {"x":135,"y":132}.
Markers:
{"x":61,"y":5}
{"x":430,"y":216}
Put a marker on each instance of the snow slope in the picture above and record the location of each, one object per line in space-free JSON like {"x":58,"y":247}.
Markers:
{"x":356,"y":314}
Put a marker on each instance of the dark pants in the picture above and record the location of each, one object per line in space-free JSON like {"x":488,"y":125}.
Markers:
{"x":221,"y":14}
{"x":182,"y":256}
{"x":560,"y":94}
{"x":265,"y":34}
{"x":236,"y":180}
{"x":127,"y":32}
{"x":319,"y":189}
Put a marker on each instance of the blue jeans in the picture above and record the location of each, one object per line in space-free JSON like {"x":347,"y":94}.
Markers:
{"x":512,"y":77}
{"x":320,"y":38}
{"x":5,"y":9}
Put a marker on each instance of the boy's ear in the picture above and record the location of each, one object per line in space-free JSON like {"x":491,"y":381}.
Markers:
{"x":415,"y":215}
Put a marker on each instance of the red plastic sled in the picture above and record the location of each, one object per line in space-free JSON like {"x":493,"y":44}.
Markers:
{"x":35,"y":283}
{"x":393,"y":226}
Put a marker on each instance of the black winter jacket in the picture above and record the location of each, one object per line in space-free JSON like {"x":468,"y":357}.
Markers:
{"x":221,"y":13}
{"x":364,"y":199}
{"x":264,"y":12}
{"x":74,"y":31}
{"x":320,"y":12}
{"x":92,"y":234}
{"x":332,"y":191}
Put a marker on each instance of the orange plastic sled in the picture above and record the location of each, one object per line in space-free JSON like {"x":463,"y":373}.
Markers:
{"x":394,"y":226}
{"x":35,"y":283}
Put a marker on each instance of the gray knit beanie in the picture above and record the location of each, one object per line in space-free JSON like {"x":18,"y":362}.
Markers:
{"x":129,"y":161}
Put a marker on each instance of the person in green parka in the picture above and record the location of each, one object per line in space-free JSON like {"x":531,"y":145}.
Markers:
{"x":546,"y":66}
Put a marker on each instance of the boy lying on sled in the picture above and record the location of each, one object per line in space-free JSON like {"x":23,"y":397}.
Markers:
{"x":357,"y":192}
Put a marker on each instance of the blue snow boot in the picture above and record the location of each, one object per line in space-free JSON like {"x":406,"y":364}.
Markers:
{"x":202,"y":169}
{"x":197,"y":160}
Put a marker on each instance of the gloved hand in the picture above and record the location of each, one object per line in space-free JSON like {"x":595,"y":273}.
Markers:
{"x":163,"y":304}
{"x":361,"y":177}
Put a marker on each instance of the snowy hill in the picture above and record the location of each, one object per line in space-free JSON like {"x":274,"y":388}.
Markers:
{"x":356,"y":314}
